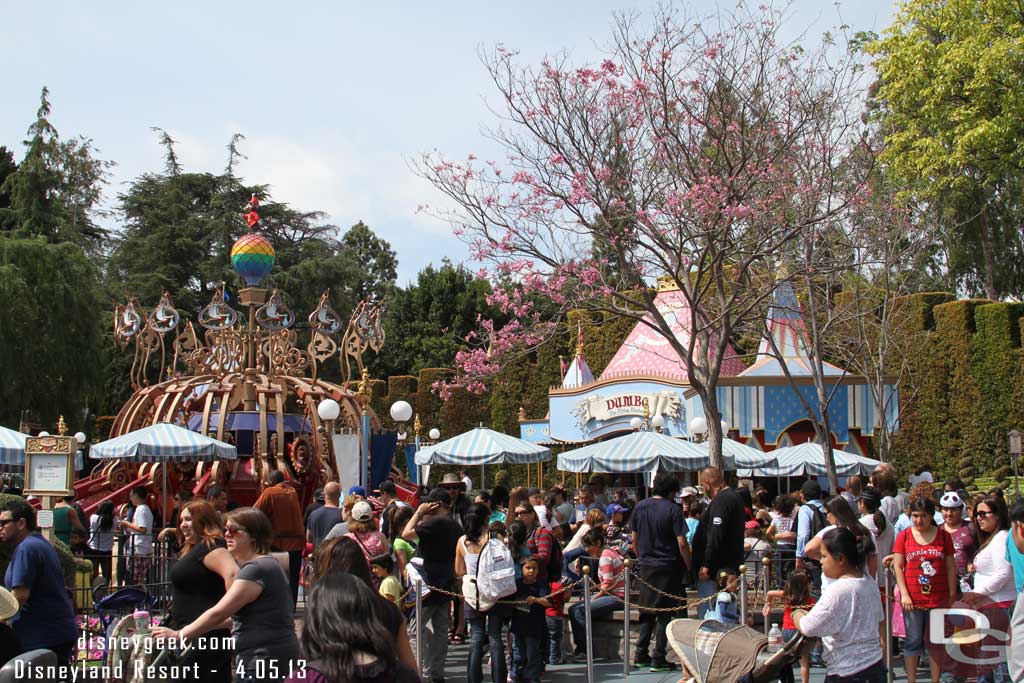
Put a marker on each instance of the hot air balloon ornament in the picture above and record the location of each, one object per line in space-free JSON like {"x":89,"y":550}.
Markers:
{"x":252,"y":255}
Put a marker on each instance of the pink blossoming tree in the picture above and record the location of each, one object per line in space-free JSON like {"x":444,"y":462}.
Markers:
{"x":697,"y":152}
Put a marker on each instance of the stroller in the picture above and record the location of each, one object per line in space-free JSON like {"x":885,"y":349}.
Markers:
{"x":712,"y":652}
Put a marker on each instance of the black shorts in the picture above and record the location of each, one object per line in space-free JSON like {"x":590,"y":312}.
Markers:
{"x":665,"y":579}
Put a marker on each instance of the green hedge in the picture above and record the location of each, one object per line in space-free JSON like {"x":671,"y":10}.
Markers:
{"x":428,"y":403}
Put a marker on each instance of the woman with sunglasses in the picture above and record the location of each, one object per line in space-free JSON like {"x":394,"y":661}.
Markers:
{"x":993,"y":573}
{"x":925,"y":568}
{"x":258,"y":603}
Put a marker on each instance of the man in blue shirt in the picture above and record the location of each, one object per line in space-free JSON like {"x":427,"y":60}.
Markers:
{"x":810,"y":492}
{"x":46,"y":618}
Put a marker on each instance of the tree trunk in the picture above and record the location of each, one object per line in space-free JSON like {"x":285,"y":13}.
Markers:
{"x":825,"y":439}
{"x":987,"y":256}
{"x":713,"y":416}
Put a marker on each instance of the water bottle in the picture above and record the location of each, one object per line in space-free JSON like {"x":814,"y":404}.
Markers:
{"x":143,"y":621}
{"x":774,"y":638}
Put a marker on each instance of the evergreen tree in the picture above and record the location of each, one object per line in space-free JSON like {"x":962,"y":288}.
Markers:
{"x":56,"y":190}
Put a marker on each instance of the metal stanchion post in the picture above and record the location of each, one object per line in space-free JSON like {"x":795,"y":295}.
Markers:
{"x":419,"y":627}
{"x":767,"y":564}
{"x":625,"y":626}
{"x":888,"y":626}
{"x":590,"y":635}
{"x":743,"y":594}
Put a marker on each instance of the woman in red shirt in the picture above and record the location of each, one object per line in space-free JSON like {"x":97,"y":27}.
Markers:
{"x":925,"y":569}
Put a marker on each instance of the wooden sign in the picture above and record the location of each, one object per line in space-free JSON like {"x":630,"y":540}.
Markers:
{"x":49,"y":465}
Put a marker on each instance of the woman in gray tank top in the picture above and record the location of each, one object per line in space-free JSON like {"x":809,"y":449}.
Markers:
{"x":259,"y":604}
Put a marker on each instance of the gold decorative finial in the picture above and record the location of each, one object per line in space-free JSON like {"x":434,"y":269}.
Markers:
{"x":364,"y":390}
{"x":417,"y":426}
{"x":647,"y":409}
{"x":62,"y":427}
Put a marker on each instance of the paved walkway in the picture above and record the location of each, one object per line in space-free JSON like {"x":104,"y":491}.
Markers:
{"x":455,"y":672}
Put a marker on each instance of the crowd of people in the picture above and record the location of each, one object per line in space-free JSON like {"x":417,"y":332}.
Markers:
{"x":502,"y":569}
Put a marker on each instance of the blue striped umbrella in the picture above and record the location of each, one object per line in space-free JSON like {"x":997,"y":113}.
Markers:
{"x":639,"y":451}
{"x":12,"y":450}
{"x":481,"y":446}
{"x":12,"y":447}
{"x":163,"y":442}
{"x":809,"y":458}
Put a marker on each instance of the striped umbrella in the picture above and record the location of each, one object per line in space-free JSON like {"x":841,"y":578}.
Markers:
{"x":12,"y":451}
{"x":481,"y":446}
{"x":809,"y":458}
{"x":12,"y":447}
{"x":639,"y":451}
{"x":163,"y":442}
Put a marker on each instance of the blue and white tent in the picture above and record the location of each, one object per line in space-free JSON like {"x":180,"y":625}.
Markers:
{"x":163,"y":442}
{"x":639,"y":451}
{"x":12,"y":447}
{"x":647,"y":451}
{"x":809,"y":459}
{"x":481,"y":446}
{"x":740,"y":455}
{"x":12,"y":451}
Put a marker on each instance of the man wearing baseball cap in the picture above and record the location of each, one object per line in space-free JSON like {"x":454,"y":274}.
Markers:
{"x":438,"y":535}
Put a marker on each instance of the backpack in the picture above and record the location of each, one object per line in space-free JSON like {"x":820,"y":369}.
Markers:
{"x":495,"y":576}
{"x":819,"y":520}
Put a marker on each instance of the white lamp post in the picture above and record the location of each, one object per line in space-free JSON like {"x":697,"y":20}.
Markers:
{"x":658,"y":421}
{"x":698,"y":426}
{"x":434,"y":434}
{"x":80,"y":438}
{"x":328,"y":411}
{"x":636,"y":423}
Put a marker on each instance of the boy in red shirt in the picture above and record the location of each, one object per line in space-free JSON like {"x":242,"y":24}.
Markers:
{"x":555,"y":618}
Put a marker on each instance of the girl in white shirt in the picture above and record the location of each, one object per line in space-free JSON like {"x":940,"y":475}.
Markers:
{"x":847,"y":616}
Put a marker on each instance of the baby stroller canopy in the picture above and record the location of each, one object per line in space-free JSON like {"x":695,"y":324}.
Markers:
{"x":713,"y":652}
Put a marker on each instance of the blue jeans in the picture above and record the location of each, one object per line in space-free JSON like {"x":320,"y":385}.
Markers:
{"x":567,"y":559}
{"x":485,"y":628}
{"x":527,"y":663}
{"x":606,"y":604}
{"x":556,"y":628}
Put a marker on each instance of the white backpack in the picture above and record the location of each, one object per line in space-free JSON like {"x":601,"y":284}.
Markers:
{"x":495,"y":576}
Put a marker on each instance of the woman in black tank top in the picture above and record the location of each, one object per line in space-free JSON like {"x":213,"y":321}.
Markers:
{"x":199,"y":579}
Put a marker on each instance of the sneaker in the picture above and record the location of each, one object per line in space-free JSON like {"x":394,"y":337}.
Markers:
{"x":640,"y":662}
{"x":556,"y":662}
{"x":661,"y":667}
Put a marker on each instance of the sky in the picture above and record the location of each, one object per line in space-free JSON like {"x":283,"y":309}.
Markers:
{"x":335,"y":99}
